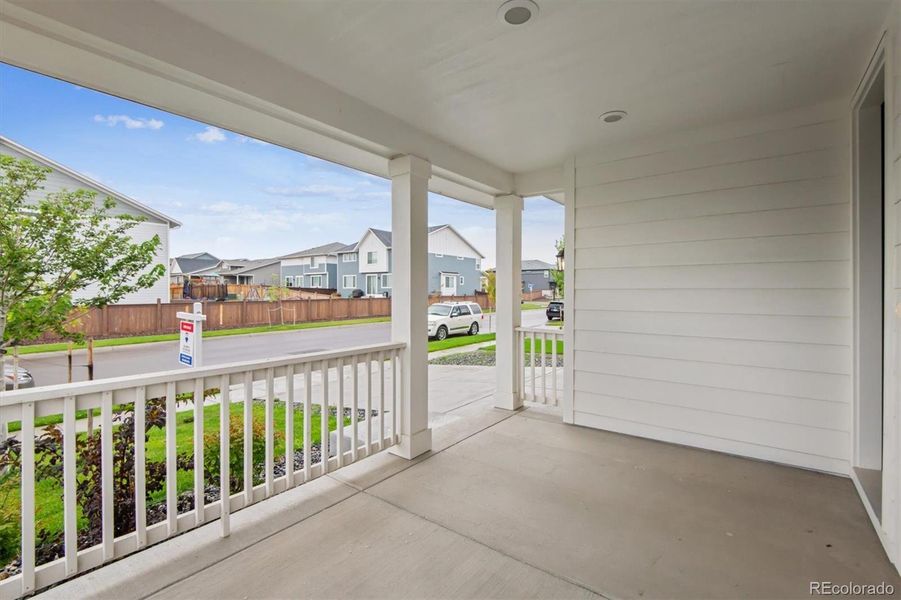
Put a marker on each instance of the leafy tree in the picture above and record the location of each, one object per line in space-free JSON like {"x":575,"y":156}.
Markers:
{"x":56,"y":247}
{"x":557,"y":274}
{"x":491,"y":286}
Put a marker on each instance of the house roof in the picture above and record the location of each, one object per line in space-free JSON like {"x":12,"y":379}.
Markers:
{"x":199,"y":255}
{"x":530,"y":265}
{"x":385,"y":236}
{"x":537,"y":265}
{"x":252,"y":265}
{"x":39,"y":158}
{"x":347,"y":248}
{"x":193,"y":263}
{"x":330,"y":248}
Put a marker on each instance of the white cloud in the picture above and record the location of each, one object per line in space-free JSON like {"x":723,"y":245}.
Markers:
{"x":210,"y":135}
{"x":129,"y":122}
{"x":244,"y":139}
{"x":314,"y":189}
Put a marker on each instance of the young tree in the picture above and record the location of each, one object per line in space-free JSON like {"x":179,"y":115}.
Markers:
{"x":491,"y":286}
{"x":60,"y":253}
{"x":557,"y":274}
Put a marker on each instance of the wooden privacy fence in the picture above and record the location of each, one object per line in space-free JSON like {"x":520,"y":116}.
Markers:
{"x":120,"y":320}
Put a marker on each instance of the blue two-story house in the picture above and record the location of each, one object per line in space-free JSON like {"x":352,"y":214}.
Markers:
{"x":454,"y":264}
{"x":312,"y":268}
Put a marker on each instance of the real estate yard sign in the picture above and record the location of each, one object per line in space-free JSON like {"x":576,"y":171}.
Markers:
{"x":190,"y":336}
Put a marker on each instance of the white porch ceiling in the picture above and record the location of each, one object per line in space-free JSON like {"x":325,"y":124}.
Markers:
{"x":487,"y":100}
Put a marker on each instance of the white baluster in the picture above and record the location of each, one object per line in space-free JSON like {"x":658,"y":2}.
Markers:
{"x":339,"y":414}
{"x":368,"y":404}
{"x":27,"y":490}
{"x":355,"y":407}
{"x":269,"y":459}
{"x":224,"y":451}
{"x":198,"y":451}
{"x":248,"y":438}
{"x":106,"y":474}
{"x":171,"y":466}
{"x":140,"y":468}
{"x":307,"y":420}
{"x":70,"y":505}
{"x":289,"y":426}
{"x":323,"y":413}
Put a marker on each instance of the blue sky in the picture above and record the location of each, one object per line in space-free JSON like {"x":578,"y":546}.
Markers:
{"x":235,"y":196}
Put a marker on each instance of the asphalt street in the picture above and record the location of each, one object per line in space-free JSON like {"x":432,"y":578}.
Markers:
{"x":50,"y":368}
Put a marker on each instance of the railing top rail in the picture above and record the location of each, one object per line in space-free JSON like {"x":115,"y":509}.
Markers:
{"x":540,"y":329}
{"x":50,"y":392}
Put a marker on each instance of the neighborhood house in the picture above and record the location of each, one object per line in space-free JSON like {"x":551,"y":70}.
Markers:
{"x":154,"y":223}
{"x":454,"y":264}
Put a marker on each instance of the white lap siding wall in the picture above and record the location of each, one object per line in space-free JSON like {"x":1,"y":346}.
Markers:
{"x":712,"y":289}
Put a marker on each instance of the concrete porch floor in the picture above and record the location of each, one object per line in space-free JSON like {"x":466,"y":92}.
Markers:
{"x":519,"y":505}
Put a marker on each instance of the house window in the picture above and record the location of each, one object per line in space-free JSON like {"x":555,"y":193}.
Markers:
{"x":349,"y":282}
{"x":371,"y":258}
{"x":351,"y":257}
{"x":386,"y":280}
{"x":546,"y":274}
{"x":461,"y":280}
{"x":316,"y":281}
{"x":313,"y":262}
{"x":289,"y":281}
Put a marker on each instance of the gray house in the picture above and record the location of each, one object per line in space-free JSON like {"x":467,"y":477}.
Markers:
{"x":312,"y":268}
{"x":537,"y":275}
{"x":454,"y":264}
{"x":265,"y":271}
{"x":197,"y":265}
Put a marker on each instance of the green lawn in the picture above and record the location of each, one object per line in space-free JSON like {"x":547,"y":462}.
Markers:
{"x":48,"y":493}
{"x":460,"y":340}
{"x":548,"y":346}
{"x":171,"y":337}
{"x":533,"y":306}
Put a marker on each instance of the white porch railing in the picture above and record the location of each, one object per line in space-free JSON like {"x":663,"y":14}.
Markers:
{"x":365,"y":367}
{"x":540,"y":373}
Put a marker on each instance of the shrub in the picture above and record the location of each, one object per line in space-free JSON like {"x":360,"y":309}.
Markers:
{"x":211,"y":443}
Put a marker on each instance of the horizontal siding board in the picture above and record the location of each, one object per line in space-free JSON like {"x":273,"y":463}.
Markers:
{"x":807,"y":330}
{"x":766,"y":144}
{"x":816,"y":303}
{"x":775,"y":355}
{"x":711,"y":291}
{"x":770,"y":407}
{"x":791,"y":221}
{"x":789,"y":194}
{"x":784,"y":436}
{"x":789,"y":275}
{"x":667,"y":433}
{"x":736,"y":131}
{"x":788,"y":248}
{"x":793,"y":167}
{"x":817,"y":136}
{"x":816,"y":386}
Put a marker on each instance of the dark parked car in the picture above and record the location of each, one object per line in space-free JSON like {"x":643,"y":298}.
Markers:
{"x":554,"y":310}
{"x":9,"y":377}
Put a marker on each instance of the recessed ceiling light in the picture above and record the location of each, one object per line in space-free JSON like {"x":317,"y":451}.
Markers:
{"x":517,"y":12}
{"x":613,"y":116}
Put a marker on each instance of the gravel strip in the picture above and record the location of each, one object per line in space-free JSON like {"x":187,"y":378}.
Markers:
{"x":486,"y":359}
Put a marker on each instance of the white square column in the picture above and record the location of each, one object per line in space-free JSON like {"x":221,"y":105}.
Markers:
{"x":410,"y":298}
{"x":508,"y":298}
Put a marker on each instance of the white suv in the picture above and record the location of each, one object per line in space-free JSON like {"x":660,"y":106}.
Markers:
{"x":446,"y":318}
